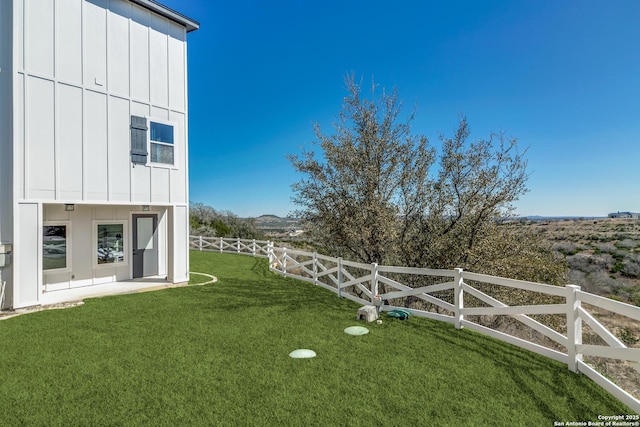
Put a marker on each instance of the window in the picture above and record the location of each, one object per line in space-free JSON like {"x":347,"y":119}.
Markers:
{"x":56,"y":239}
{"x":161,"y":143}
{"x":110,"y":238}
{"x":157,"y":137}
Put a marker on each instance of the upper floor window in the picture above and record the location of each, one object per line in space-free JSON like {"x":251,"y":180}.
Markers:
{"x":161,"y":143}
{"x":151,"y":141}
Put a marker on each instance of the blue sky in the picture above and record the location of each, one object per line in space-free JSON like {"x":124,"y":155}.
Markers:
{"x":563,"y":77}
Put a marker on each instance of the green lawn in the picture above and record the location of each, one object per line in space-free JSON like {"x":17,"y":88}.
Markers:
{"x":218,"y":355}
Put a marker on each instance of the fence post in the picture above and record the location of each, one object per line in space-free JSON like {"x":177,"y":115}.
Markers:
{"x":374,"y":281}
{"x":253,"y":247}
{"x":269,"y":254}
{"x":574,"y":327}
{"x":340,"y":277}
{"x":284,"y":262}
{"x":200,"y":243}
{"x":315,"y":268}
{"x":221,"y":244}
{"x":238,"y":245}
{"x":458,"y":297}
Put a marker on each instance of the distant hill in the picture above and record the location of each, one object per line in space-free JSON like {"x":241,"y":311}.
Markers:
{"x":276,"y":223}
{"x":556,"y":218}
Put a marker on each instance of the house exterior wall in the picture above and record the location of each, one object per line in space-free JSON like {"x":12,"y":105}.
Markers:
{"x":84,"y":67}
{"x":6,"y":136}
{"x":79,"y":69}
{"x":83,"y":220}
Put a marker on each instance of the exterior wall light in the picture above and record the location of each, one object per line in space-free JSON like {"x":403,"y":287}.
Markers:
{"x":145,"y":208}
{"x":69,"y":207}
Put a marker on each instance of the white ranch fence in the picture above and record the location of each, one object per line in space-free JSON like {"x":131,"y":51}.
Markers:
{"x":462,"y":297}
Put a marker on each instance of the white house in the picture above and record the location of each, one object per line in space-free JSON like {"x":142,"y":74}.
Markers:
{"x":93,"y":145}
{"x":628,"y":215}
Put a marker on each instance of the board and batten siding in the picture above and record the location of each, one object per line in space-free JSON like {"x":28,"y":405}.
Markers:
{"x":6,"y":118}
{"x":6,"y":138}
{"x":84,"y":67}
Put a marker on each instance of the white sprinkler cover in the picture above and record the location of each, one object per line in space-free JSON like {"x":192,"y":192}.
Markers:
{"x":302,"y":353}
{"x":356,"y":330}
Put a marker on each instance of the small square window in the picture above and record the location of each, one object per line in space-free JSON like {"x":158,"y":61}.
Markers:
{"x":161,"y":143}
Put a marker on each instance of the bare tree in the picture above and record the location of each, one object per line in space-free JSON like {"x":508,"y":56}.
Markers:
{"x":378,"y":193}
{"x":351,"y":197}
{"x":474,"y":188}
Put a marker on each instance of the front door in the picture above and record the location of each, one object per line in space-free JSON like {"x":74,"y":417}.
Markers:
{"x":145,"y":245}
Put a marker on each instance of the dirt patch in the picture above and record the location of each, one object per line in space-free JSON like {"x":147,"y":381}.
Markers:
{"x":7,"y":314}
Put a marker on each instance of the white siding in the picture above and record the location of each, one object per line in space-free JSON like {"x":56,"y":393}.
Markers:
{"x":160,"y":113}
{"x":158,"y":61}
{"x":6,"y":146}
{"x":69,"y":41}
{"x":139,"y":43}
{"x":95,"y":44}
{"x":6,"y":152}
{"x":160,"y":185}
{"x":40,"y":138}
{"x":163,"y":241}
{"x":69,"y":153}
{"x":82,"y":247}
{"x":95,"y":146}
{"x":180,"y":244}
{"x":111,"y":63}
{"x":18,"y":22}
{"x":39,"y":36}
{"x":178,"y":186}
{"x":177,"y":68}
{"x":26,"y":255}
{"x":179,"y":176}
{"x":119,"y":47}
{"x":140,"y":109}
{"x":82,"y":68}
{"x":141,"y":179}
{"x":119,"y":157}
{"x":18,"y":138}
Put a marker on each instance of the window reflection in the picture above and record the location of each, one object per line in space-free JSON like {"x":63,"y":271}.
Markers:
{"x":54,"y":247}
{"x":110,"y":243}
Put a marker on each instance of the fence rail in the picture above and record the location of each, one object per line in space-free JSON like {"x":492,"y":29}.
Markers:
{"x":458,"y":296}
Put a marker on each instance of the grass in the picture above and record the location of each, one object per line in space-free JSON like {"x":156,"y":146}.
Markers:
{"x":218,"y":355}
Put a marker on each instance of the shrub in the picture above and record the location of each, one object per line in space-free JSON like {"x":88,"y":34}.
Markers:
{"x":567,"y":249}
{"x":590,"y":264}
{"x":635,"y":297}
{"x":627,"y":336}
{"x":627,"y":244}
{"x":599,"y":282}
{"x":617,"y":267}
{"x":605,"y":247}
{"x":631,"y":266}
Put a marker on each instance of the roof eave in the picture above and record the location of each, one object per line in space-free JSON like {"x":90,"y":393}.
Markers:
{"x":171,"y":14}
